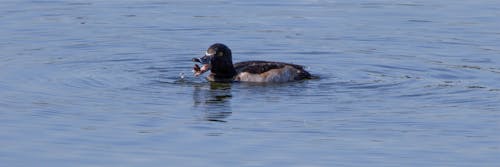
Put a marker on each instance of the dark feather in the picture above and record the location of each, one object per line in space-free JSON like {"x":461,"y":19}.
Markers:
{"x":259,"y":67}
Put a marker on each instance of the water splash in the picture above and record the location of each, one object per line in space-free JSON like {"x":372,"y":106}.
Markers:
{"x":181,"y":76}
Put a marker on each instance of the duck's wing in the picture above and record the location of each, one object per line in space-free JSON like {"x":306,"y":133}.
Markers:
{"x":259,"y":67}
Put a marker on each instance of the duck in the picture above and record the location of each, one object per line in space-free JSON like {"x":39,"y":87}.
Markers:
{"x":218,"y":60}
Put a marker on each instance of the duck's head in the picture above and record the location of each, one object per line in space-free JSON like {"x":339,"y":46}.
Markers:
{"x":218,"y":60}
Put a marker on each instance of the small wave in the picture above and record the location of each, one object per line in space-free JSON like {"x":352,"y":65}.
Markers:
{"x":419,"y":21}
{"x":374,"y":85}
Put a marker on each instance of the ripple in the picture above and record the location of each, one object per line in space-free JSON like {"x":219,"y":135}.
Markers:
{"x":88,"y":82}
{"x":314,"y":53}
{"x":419,"y":21}
{"x":477,"y":60}
{"x":100,"y":61}
{"x":374,"y":85}
{"x":399,"y":67}
{"x":79,"y":3}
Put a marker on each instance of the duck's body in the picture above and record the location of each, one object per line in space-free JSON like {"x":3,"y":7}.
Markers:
{"x":218,"y":60}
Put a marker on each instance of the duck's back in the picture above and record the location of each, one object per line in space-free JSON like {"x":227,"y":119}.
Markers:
{"x":265,"y":71}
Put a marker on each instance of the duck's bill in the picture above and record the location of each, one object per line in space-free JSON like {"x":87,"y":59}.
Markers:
{"x":197,"y":60}
{"x":203,"y":60}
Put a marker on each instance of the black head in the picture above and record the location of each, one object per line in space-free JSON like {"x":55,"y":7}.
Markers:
{"x":218,"y":59}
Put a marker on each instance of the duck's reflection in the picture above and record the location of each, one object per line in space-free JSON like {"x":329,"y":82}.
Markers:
{"x":214,"y":100}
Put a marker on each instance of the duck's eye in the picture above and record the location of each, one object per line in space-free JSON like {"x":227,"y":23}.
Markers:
{"x":208,"y":54}
{"x":220,"y":54}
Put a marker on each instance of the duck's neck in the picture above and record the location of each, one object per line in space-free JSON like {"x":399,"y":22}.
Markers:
{"x":225,"y":74}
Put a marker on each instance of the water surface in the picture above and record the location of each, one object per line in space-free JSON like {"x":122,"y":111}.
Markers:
{"x":109,"y":83}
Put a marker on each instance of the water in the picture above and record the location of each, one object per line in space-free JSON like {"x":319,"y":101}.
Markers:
{"x":98,"y":83}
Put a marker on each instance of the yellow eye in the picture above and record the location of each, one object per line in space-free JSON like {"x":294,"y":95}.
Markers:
{"x":220,"y":54}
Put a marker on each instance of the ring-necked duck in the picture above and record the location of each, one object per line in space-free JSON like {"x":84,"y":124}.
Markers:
{"x":218,"y":60}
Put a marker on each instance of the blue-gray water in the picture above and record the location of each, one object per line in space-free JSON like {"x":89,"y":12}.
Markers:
{"x":97,"y":83}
